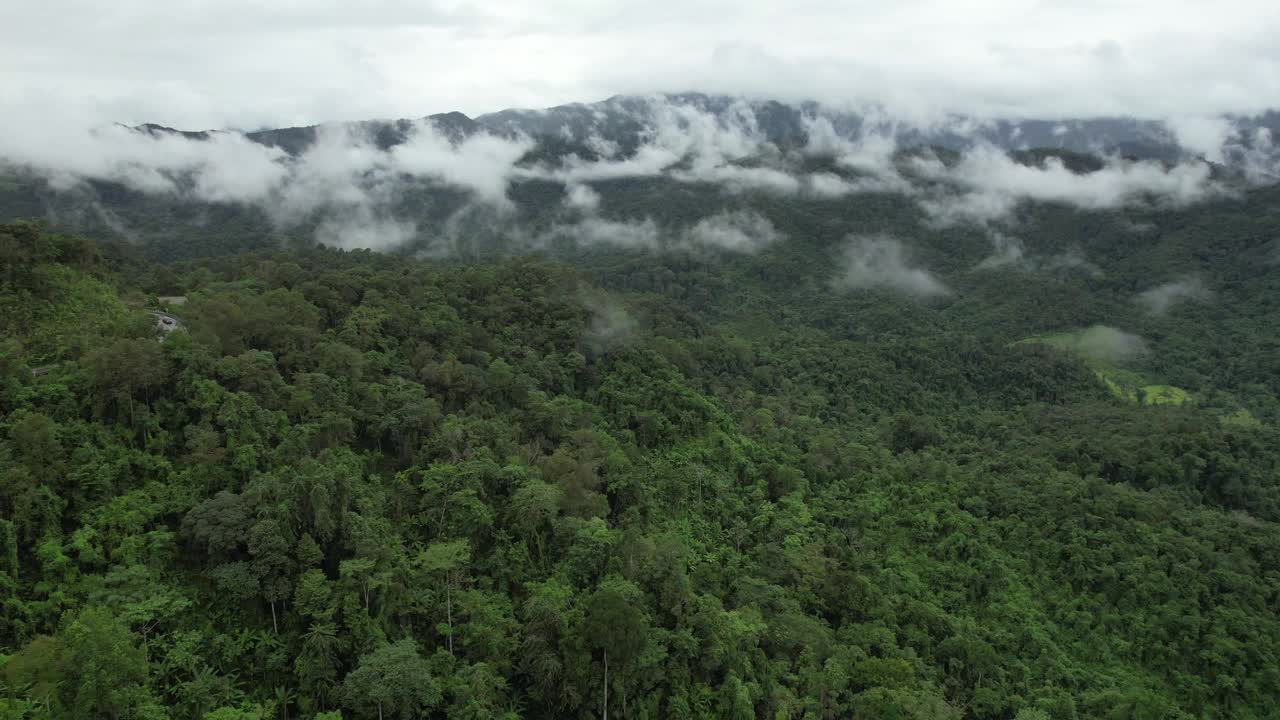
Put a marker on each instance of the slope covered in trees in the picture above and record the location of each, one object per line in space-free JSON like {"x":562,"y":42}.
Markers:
{"x":684,"y":485}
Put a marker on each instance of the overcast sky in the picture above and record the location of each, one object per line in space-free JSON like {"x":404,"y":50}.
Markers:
{"x":254,"y":63}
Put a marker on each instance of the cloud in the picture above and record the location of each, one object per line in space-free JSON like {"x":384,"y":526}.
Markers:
{"x":226,"y":167}
{"x":1257,"y":153}
{"x":1202,"y":135}
{"x":1161,"y":298}
{"x":1010,"y":253}
{"x":739,"y":231}
{"x":342,"y":172}
{"x":870,"y":155}
{"x":481,"y":163}
{"x":611,"y":325}
{"x":1072,"y":259}
{"x":1041,"y":60}
{"x":343,"y":176}
{"x":988,"y":184}
{"x":1007,"y":251}
{"x":1109,"y":344}
{"x":683,"y":141}
{"x":829,"y":185}
{"x":365,"y":232}
{"x":634,"y":234}
{"x":743,"y":179}
{"x":1139,"y":228}
{"x":201,"y":63}
{"x":880,"y":262}
{"x":726,"y":147}
{"x":648,"y":161}
{"x":691,"y":144}
{"x":581,"y":197}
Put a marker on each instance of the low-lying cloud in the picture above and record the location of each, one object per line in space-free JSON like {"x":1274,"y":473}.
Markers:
{"x":344,"y":176}
{"x":1009,"y":252}
{"x":581,"y":197}
{"x":987,"y":185}
{"x":627,"y":234}
{"x":1108,"y":344}
{"x":880,"y":262}
{"x":1006,"y":251}
{"x":611,"y":324}
{"x":365,"y":232}
{"x":741,"y":231}
{"x":871,"y":156}
{"x":1159,"y":299}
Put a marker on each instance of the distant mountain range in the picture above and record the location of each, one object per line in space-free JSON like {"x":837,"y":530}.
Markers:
{"x":624,"y":119}
{"x":628,"y":171}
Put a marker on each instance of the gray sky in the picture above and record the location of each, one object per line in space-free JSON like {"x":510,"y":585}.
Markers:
{"x":253,"y":63}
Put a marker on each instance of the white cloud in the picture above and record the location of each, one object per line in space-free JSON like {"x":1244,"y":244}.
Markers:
{"x":704,"y":144}
{"x":1159,"y":299}
{"x":1007,"y":251}
{"x":1219,"y":139}
{"x":340,"y":171}
{"x":740,"y":231}
{"x":362,"y":231}
{"x":743,"y":179}
{"x":481,"y":163}
{"x":991,"y":184}
{"x":828,"y":185}
{"x":581,"y":197}
{"x":213,"y":64}
{"x":1109,"y":344}
{"x":226,"y":167}
{"x":1203,"y":135}
{"x":610,"y":325}
{"x":881,"y":262}
{"x":870,"y":155}
{"x":636,"y":235}
{"x":342,"y":174}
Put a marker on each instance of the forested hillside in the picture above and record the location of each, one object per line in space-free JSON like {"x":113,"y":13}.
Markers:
{"x":652,"y":482}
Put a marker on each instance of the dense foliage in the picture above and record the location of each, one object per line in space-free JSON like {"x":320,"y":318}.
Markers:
{"x":665,"y":486}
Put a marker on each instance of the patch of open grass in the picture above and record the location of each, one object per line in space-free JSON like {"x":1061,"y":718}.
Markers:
{"x":1105,"y":349}
{"x":1164,"y":395}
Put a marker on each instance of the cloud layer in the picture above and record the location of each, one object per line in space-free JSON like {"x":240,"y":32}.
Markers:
{"x":239,"y":63}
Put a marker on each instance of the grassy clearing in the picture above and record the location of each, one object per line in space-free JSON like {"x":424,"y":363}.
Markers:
{"x":1106,"y":350}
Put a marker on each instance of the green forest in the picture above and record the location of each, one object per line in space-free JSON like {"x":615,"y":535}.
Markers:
{"x":624,"y":483}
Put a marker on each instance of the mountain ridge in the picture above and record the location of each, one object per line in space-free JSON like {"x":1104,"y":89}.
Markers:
{"x":621,"y":118}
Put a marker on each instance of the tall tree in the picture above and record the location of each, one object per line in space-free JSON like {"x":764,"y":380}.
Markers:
{"x":393,"y":681}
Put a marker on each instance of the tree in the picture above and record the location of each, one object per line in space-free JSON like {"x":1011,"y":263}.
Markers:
{"x":446,"y":560}
{"x":271,"y":563}
{"x":93,"y":668}
{"x":219,"y":525}
{"x":393,"y":681}
{"x":617,"y":626}
{"x":532,"y":508}
{"x":406,"y":415}
{"x":127,"y":368}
